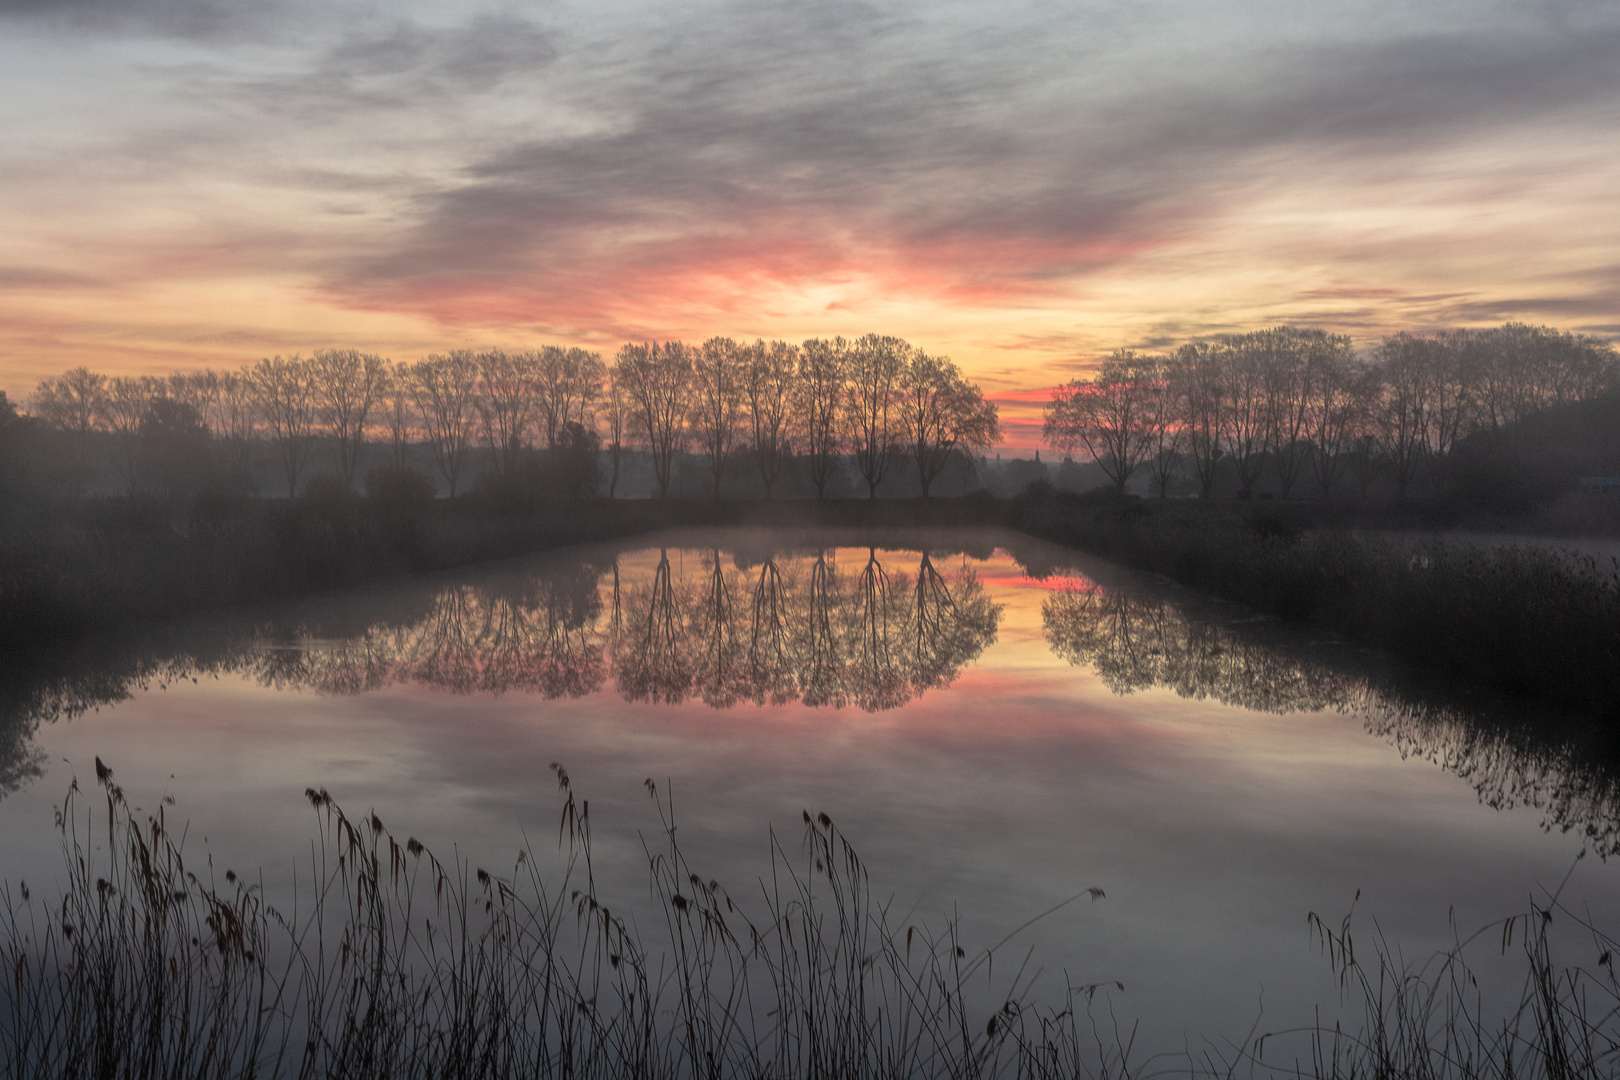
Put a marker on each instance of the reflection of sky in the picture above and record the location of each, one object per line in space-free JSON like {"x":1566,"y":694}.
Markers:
{"x":1022,"y":186}
{"x":1213,"y":830}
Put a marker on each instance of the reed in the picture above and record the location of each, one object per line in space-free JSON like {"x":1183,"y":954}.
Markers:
{"x":399,"y":964}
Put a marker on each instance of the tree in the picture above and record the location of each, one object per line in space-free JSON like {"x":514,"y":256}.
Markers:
{"x":576,"y":461}
{"x":1331,"y":406}
{"x":657,"y":383}
{"x":399,"y":413}
{"x":1200,"y":396}
{"x":507,"y":401}
{"x":236,"y":422}
{"x":285,"y":400}
{"x":174,"y":446}
{"x":1107,"y":415}
{"x":567,"y":381}
{"x":123,"y":409}
{"x":1286,"y":370}
{"x":1166,"y":428}
{"x":1403,"y":411}
{"x":768,"y":385}
{"x":73,"y":402}
{"x":873,"y":368}
{"x":1248,"y":413}
{"x":1368,"y":457}
{"x":938,"y":411}
{"x":615,"y":411}
{"x":818,"y":397}
{"x":347,"y":385}
{"x":719,"y":377}
{"x":444,"y":386}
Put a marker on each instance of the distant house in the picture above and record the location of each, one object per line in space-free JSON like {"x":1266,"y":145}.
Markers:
{"x":1600,"y":485}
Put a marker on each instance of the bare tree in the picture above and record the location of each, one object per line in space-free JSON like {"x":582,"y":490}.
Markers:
{"x":1285,"y":369}
{"x":657,"y":382}
{"x":1369,"y":459}
{"x":938,"y":411}
{"x":1166,"y":427}
{"x":444,"y":386}
{"x":1248,"y":415}
{"x":873,"y":371}
{"x":1403,"y":412}
{"x":399,"y":412}
{"x":346,"y":385}
{"x":719,"y":378}
{"x":128,"y":398}
{"x":1331,"y":409}
{"x":1108,"y":416}
{"x":615,"y":411}
{"x":199,"y":390}
{"x":568,"y":382}
{"x":818,"y":397}
{"x":769,"y":384}
{"x":236,"y":421}
{"x":1197,"y":377}
{"x":507,"y":400}
{"x":73,"y":402}
{"x":284,"y":396}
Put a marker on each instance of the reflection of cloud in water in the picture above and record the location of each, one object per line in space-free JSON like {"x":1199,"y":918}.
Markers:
{"x":1138,"y":638}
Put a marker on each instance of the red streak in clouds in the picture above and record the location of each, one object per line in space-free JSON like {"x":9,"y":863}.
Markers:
{"x":626,"y":288}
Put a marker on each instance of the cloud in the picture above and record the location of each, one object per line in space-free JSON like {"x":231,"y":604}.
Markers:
{"x":796,"y":147}
{"x":192,"y":19}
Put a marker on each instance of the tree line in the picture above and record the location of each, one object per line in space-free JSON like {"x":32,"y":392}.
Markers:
{"x":874,"y":399}
{"x":1298,"y":401}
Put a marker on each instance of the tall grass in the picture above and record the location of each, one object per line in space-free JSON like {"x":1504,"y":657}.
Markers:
{"x":403,"y":965}
{"x":399,"y":964}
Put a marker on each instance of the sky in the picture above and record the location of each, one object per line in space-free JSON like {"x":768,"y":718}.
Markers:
{"x":1022,"y":186}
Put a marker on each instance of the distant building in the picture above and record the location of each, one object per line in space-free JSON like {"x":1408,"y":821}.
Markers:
{"x":1600,"y":485}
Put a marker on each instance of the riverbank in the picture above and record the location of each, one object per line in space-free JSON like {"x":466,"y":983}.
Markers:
{"x":1533,"y":622}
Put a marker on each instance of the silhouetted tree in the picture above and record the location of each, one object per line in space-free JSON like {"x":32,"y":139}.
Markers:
{"x":769,"y":383}
{"x":174,"y":446}
{"x":818,"y":400}
{"x":938,"y":412}
{"x":615,"y":412}
{"x":656,"y":381}
{"x":508,"y":401}
{"x":445,"y":387}
{"x":285,"y":401}
{"x":1108,"y":416}
{"x":719,"y":379}
{"x":347,"y":385}
{"x":872,"y":376}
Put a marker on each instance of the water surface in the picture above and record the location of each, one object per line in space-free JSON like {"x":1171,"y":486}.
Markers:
{"x":996,"y":723}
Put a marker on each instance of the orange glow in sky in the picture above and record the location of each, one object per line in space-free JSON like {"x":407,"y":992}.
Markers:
{"x":185,"y":185}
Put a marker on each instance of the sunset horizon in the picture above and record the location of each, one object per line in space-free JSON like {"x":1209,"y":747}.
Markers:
{"x":192,"y":185}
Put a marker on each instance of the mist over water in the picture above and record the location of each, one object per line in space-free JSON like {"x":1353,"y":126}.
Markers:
{"x":997,"y":724}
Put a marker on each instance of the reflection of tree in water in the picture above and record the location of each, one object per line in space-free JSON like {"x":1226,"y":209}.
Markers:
{"x":947,"y":626}
{"x":531,"y":634}
{"x":1138,"y":640}
{"x":771,"y":675}
{"x":820,"y":653}
{"x":801,"y":634}
{"x":875,"y":679}
{"x":650,"y":663}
